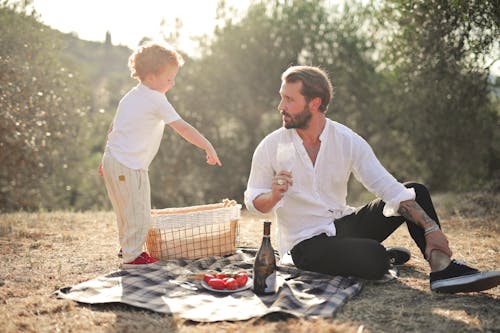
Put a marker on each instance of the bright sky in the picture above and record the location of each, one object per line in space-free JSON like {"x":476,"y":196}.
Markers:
{"x":129,"y":21}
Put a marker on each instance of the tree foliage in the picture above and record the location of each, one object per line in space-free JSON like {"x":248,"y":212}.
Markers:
{"x":41,"y":106}
{"x":437,"y":59}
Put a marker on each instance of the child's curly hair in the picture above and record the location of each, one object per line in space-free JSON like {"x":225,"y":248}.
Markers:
{"x":151,"y":58}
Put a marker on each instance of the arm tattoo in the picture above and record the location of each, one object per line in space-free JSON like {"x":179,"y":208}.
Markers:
{"x":412,"y":212}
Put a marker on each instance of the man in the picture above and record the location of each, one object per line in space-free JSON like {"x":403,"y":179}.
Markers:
{"x":307,"y":191}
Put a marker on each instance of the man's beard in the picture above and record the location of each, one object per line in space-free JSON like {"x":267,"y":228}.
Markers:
{"x":300,"y":120}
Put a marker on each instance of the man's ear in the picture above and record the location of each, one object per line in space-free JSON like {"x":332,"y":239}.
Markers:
{"x":315,"y":103}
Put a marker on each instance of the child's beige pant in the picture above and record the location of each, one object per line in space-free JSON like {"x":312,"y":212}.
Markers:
{"x":130,"y":194}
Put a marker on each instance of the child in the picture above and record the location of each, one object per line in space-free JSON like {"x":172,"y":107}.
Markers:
{"x":133,"y":142}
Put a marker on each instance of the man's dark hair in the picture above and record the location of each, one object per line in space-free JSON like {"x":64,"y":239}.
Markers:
{"x":315,"y":83}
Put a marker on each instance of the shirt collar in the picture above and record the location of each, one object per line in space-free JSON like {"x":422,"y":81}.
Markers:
{"x":326,"y":130}
{"x":322,"y":137}
{"x":144,"y":87}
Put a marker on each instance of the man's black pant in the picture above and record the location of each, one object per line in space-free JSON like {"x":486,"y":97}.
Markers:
{"x":356,"y":249}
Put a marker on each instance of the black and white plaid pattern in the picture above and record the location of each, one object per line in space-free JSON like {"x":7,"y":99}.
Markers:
{"x":161,"y":288}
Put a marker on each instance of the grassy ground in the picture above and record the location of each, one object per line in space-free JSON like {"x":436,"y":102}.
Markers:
{"x":42,"y":252}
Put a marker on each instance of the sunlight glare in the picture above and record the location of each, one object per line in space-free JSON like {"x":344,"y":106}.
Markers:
{"x":129,"y":21}
{"x":458,"y":315}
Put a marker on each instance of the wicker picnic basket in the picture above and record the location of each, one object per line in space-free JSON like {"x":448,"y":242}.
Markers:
{"x":194,"y":232}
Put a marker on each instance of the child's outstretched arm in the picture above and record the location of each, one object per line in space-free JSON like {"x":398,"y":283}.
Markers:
{"x":194,"y":137}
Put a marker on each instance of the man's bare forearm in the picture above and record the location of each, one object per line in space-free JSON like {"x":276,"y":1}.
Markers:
{"x":265,"y":202}
{"x":412,"y":212}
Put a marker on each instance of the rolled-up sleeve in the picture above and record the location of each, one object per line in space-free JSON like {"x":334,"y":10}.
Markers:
{"x":392,"y":206}
{"x":261,"y":175}
{"x":250,"y":195}
{"x":370,"y":172}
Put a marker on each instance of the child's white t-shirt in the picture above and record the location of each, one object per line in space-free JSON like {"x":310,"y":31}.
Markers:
{"x":138,"y":126}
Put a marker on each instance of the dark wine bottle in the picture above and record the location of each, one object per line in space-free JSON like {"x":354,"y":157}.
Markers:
{"x":264,"y":268}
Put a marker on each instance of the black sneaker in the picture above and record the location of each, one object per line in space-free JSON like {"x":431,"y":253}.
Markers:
{"x":460,"y":278}
{"x":398,"y":255}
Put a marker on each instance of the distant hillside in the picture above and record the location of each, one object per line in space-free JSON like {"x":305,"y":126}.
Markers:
{"x":103,"y":66}
{"x":98,"y":59}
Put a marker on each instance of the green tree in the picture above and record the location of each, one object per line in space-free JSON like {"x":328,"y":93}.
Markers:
{"x":436,"y":57}
{"x":42,"y":108}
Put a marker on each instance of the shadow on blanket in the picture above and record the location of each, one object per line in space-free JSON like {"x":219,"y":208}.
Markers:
{"x":162,"y":288}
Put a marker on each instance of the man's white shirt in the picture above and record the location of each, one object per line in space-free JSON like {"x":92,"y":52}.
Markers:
{"x":318,"y":194}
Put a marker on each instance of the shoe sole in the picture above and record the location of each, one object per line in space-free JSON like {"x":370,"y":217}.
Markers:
{"x":398,"y":255}
{"x":468,"y":283}
{"x":392,"y":274}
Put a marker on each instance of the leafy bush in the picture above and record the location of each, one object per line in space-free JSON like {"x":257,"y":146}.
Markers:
{"x":42,"y":109}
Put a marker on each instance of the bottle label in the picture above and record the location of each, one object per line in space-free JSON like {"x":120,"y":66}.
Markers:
{"x":271,"y":283}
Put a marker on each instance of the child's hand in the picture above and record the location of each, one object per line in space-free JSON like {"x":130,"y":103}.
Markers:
{"x":194,"y":137}
{"x":212,"y":158}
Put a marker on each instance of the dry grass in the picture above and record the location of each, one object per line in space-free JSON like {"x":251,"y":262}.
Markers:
{"x":42,"y":252}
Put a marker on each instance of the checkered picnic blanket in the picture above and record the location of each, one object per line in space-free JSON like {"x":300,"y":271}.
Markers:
{"x":163,"y":288}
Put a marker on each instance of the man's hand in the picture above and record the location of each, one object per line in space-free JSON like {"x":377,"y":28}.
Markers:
{"x":100,"y":170}
{"x":280,"y":184}
{"x":436,"y":240}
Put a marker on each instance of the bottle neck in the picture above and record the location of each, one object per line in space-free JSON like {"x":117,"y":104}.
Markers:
{"x":267,"y":229}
